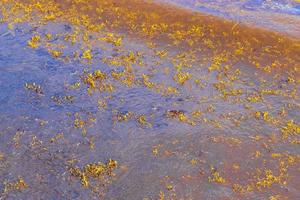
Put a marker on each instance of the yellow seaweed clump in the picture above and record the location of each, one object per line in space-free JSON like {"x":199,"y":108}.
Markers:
{"x":112,"y":39}
{"x":34,"y":42}
{"x":182,"y":77}
{"x":268,"y":180}
{"x":94,"y":170}
{"x":93,"y":80}
{"x":18,"y":185}
{"x":147,"y":82}
{"x":143,"y":121}
{"x":291,"y":128}
{"x":216,"y":177}
{"x":87,"y":54}
{"x":55,"y":53}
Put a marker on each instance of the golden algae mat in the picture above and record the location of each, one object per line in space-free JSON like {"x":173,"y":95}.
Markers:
{"x":142,"y":100}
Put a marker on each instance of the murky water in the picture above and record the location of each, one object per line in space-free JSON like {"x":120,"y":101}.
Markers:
{"x":131,"y":100}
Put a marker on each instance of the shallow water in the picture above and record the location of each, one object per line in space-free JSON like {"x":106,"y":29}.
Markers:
{"x":277,"y":15}
{"x":195,"y":120}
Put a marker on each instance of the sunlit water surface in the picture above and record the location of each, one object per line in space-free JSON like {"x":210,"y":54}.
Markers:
{"x":186,"y":137}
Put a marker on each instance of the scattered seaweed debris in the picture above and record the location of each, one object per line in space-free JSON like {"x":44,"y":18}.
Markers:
{"x":246,"y":75}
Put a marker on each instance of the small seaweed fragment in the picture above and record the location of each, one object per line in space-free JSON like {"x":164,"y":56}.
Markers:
{"x":34,"y":87}
{"x":143,"y":121}
{"x":122,"y":116}
{"x":175,"y":114}
{"x":113,"y":39}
